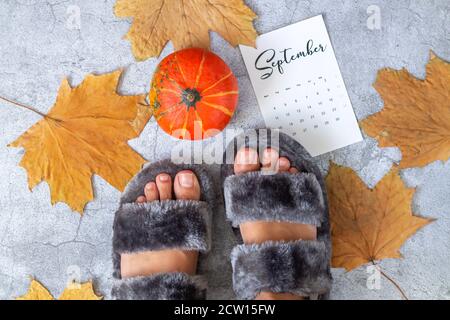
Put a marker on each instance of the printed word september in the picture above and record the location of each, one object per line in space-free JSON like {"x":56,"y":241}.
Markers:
{"x":268,"y":60}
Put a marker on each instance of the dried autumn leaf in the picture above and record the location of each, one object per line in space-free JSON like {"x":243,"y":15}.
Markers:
{"x":186,"y":23}
{"x":36,"y":291}
{"x":79,"y":291}
{"x":75,"y":291}
{"x":416,"y":114}
{"x":85,"y":132}
{"x":368,"y":224}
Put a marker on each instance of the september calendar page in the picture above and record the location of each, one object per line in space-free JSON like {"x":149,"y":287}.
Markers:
{"x":299,"y":87}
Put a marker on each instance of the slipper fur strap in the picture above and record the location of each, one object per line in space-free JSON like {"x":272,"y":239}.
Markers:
{"x":163,"y":286}
{"x":298,"y":267}
{"x":274,"y":197}
{"x":158,"y":225}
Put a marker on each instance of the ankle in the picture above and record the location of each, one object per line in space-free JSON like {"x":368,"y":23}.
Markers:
{"x":265,"y":295}
{"x":256,"y":232}
{"x":162,"y":261}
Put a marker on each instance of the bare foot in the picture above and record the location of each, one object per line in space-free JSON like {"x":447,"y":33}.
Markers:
{"x":256,"y":232}
{"x":184,"y":187}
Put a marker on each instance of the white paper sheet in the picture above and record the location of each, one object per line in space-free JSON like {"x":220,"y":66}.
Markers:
{"x":299,"y":86}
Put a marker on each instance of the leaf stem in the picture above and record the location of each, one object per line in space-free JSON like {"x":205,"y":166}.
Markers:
{"x":24,"y":106}
{"x":391,"y":280}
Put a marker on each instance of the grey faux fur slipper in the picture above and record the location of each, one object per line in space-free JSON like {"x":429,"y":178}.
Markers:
{"x":157,"y":225}
{"x":299,"y":267}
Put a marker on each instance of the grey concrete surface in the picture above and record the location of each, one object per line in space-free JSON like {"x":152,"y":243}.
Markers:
{"x":39,"y":47}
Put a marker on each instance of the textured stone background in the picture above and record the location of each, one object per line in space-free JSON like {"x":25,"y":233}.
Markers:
{"x":37,"y":49}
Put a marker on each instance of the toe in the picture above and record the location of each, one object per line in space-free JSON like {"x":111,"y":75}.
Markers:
{"x":284,"y":164}
{"x":293,"y":170}
{"x":186,"y":186}
{"x":246,"y":160}
{"x":141,"y":199}
{"x":164,"y":184}
{"x":270,"y":160}
{"x":151,"y":192}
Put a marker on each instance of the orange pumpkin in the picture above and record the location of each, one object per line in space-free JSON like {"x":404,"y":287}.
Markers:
{"x":193,"y":94}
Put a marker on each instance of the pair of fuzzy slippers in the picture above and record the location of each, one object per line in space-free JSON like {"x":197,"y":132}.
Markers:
{"x":298,"y":267}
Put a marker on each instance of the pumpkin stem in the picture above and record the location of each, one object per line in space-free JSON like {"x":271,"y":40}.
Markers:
{"x":191,"y":97}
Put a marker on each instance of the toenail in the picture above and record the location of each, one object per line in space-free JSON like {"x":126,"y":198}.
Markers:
{"x":164,"y":178}
{"x":186,"y":180}
{"x":150,"y":186}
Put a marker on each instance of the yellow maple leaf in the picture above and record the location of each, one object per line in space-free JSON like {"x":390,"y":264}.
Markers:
{"x":36,"y":291}
{"x":85,"y":132}
{"x":79,"y":291}
{"x":416,"y":114}
{"x":186,"y":23}
{"x":368,"y":224}
{"x":75,"y":291}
